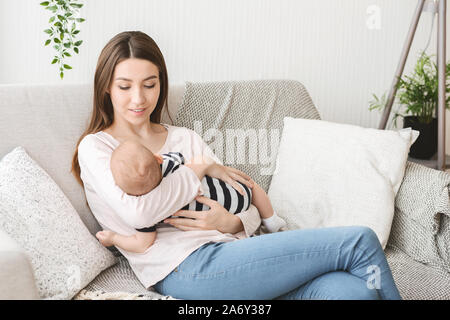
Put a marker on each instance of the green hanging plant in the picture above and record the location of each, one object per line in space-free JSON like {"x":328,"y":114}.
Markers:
{"x":63,"y":30}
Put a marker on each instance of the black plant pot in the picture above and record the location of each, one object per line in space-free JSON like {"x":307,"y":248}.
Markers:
{"x":425,"y":146}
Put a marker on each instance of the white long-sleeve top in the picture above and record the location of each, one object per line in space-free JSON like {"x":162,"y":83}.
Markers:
{"x":117,"y":211}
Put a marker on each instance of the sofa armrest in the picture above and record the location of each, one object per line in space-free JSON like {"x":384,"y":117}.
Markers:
{"x":16,"y":273}
{"x":422,"y":210}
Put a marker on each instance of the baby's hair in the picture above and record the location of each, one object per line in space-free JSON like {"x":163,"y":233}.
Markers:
{"x":135,"y":168}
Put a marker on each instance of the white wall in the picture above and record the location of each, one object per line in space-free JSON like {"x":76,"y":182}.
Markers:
{"x":325,"y":44}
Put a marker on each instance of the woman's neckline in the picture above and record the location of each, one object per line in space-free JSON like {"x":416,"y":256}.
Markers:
{"x":159,"y":151}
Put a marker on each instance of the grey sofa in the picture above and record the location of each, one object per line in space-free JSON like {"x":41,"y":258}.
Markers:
{"x":48,"y":119}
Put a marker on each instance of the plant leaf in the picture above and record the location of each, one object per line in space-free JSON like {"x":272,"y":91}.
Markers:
{"x":63,"y":13}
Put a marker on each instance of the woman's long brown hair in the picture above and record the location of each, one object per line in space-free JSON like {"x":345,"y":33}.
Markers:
{"x":129,"y":44}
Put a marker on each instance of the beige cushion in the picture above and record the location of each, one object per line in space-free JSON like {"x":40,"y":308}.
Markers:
{"x":330,"y":174}
{"x":47,"y":120}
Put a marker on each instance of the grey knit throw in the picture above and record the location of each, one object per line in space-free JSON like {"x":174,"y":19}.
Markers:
{"x":242,"y":121}
{"x":422,"y":213}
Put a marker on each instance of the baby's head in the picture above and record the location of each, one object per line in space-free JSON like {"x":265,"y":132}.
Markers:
{"x":135,"y":168}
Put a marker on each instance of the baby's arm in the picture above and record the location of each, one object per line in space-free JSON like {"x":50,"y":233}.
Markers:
{"x":138,"y":242}
{"x":261,"y":201}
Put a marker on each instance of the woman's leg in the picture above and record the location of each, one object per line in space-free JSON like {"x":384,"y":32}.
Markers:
{"x":273,"y":265}
{"x":335,"y":285}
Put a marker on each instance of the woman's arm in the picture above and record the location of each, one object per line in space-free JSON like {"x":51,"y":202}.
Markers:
{"x":141,"y":211}
{"x":217,"y":218}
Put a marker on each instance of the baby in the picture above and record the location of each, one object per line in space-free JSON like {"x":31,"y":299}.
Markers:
{"x":137,"y":171}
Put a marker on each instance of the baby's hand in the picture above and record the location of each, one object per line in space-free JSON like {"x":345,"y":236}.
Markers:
{"x":105,"y":237}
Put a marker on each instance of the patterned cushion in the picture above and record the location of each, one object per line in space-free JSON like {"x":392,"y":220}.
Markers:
{"x":38,"y":216}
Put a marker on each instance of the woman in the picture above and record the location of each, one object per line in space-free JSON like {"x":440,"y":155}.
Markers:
{"x":211,"y":256}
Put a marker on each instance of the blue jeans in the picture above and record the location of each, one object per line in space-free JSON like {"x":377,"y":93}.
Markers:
{"x":326,"y":263}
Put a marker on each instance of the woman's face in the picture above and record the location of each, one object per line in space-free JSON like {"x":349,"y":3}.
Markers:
{"x":134,"y":90}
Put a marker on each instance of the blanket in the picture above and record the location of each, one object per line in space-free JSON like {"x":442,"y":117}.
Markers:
{"x":422,"y":214}
{"x":242,"y":121}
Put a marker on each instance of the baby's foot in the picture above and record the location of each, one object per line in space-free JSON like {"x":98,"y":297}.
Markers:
{"x":105,"y":237}
{"x":274,"y":223}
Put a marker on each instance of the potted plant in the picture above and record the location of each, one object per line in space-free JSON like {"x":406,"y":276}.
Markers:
{"x":417,"y":97}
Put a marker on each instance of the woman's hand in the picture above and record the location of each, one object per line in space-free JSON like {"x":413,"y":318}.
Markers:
{"x":216,"y":218}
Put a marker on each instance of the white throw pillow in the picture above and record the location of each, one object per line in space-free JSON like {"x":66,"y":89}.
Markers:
{"x":36,"y":213}
{"x":331,"y":174}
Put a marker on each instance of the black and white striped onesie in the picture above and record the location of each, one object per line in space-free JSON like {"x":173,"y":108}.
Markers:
{"x":213,"y":188}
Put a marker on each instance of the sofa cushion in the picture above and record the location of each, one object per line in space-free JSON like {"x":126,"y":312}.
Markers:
{"x":330,"y":174}
{"x":16,"y":273}
{"x":35,"y":213}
